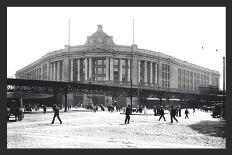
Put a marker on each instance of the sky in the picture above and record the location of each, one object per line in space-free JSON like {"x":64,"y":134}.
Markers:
{"x":192,"y":34}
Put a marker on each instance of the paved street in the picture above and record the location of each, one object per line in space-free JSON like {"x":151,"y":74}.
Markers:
{"x":86,"y":129}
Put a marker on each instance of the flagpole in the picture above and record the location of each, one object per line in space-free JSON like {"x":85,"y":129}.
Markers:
{"x":69,"y":32}
{"x":133,"y":32}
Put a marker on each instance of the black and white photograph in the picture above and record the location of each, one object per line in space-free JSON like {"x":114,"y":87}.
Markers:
{"x":116,"y":77}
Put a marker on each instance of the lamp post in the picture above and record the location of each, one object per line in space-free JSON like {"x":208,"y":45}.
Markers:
{"x":131,"y":77}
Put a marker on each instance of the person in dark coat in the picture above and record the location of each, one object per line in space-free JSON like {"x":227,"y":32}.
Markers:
{"x":128,"y":112}
{"x":56,"y":114}
{"x":179,"y":111}
{"x":44,"y":109}
{"x":173,"y":114}
{"x":186,"y":113}
{"x":155,"y":111}
{"x":162,"y":113}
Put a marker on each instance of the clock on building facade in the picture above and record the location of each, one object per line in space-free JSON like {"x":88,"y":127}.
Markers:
{"x":99,"y":40}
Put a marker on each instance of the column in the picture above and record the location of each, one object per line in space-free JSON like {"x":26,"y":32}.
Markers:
{"x":107,"y":69}
{"x":156,"y":73}
{"x":65,"y":70}
{"x":58,"y":71}
{"x":37,"y":75}
{"x":48,"y":72}
{"x":51,"y":71}
{"x":86,"y":69}
{"x":21,"y":103}
{"x":120,"y":70}
{"x":111,"y":69}
{"x":128,"y":70}
{"x":78,"y":69}
{"x":139,"y":78}
{"x":34,"y":77}
{"x":71,"y":72}
{"x":145,"y":71}
{"x":151,"y":73}
{"x":41,"y":75}
{"x":54,"y":71}
{"x":90,"y":69}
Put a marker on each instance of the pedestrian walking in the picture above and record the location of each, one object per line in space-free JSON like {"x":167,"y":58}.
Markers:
{"x":155,"y":111}
{"x":162,"y":113}
{"x":56,"y":114}
{"x":193,"y":110}
{"x":179,"y":111}
{"x":145,"y":110}
{"x":186,"y":113}
{"x":128,"y":112}
{"x":173,"y":114}
{"x":44,"y":109}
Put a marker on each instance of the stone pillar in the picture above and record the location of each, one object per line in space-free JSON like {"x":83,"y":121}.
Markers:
{"x":90,"y":69}
{"x":48,"y":72}
{"x":21,"y":102}
{"x":54,"y":71}
{"x":134,"y":70}
{"x":86,"y":69}
{"x":107,"y":69}
{"x":145,"y":71}
{"x":51,"y":71}
{"x":128,"y":70}
{"x":65,"y":70}
{"x":41,"y":75}
{"x":120,"y":70}
{"x":36,"y":73}
{"x":58,"y":71}
{"x":151,"y":72}
{"x":37,"y":76}
{"x":139,"y":63}
{"x":111,"y":69}
{"x":71,"y":72}
{"x":156,"y":73}
{"x":78,"y":69}
{"x":159,"y":74}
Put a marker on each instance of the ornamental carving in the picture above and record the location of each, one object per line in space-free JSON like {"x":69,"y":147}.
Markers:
{"x":99,"y":39}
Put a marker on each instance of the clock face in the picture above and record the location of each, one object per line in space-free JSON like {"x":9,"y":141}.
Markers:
{"x":99,"y":40}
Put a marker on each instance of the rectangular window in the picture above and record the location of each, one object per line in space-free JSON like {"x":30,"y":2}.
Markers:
{"x":191,"y":74}
{"x":123,"y":62}
{"x":116,"y":62}
{"x":179,"y":71}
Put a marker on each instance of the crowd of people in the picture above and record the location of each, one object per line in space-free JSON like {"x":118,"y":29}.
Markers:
{"x":158,"y":110}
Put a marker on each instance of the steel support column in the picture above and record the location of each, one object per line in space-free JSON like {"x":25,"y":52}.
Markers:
{"x":65,"y":102}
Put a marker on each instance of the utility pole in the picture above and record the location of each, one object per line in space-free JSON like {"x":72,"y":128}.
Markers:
{"x":223,"y":105}
{"x":131,"y":66}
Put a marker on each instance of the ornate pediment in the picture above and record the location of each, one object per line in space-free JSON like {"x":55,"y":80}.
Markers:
{"x":99,"y":39}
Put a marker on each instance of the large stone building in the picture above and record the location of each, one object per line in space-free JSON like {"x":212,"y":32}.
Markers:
{"x":100,"y":60}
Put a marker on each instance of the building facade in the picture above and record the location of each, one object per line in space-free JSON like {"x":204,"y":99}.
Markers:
{"x":100,"y":60}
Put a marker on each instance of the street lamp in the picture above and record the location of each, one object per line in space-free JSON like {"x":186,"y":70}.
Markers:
{"x":130,"y":76}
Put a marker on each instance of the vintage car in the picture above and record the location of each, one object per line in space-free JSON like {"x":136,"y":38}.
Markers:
{"x":15,"y":112}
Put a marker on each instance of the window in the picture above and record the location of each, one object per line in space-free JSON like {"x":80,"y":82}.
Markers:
{"x":166,"y":75}
{"x":116,"y":62}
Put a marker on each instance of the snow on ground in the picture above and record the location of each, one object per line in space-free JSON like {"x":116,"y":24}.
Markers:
{"x":102,"y":129}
